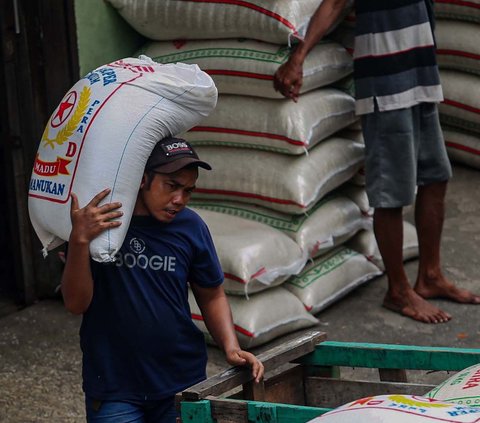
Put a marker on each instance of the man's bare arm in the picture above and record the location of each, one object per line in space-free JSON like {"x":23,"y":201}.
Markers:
{"x":289,"y":77}
{"x":87,"y":224}
{"x":217,"y":316}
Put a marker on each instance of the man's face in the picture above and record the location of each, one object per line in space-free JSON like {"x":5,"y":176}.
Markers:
{"x":166,"y":195}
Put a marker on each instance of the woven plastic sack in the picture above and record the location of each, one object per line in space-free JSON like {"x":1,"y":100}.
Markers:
{"x":281,"y":126}
{"x":331,"y":222}
{"x":457,"y":45}
{"x":462,"y":388}
{"x":364,"y":242}
{"x":253,"y":256}
{"x":246,"y":67}
{"x":101,"y":135}
{"x":275,"y":21}
{"x":358,"y":195}
{"x":289,"y":184}
{"x":462,"y":147}
{"x":461,"y":107}
{"x":330,"y":277}
{"x":262,"y":317}
{"x":458,"y":10}
{"x":400,"y":409}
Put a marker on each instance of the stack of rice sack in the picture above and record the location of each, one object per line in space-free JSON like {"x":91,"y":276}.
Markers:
{"x":458,"y":42}
{"x":277,"y":197}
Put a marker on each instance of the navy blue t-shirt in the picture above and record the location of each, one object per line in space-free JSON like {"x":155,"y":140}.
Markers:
{"x":137,"y":337}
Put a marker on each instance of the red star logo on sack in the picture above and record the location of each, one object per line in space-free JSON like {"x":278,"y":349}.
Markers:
{"x":64,"y":109}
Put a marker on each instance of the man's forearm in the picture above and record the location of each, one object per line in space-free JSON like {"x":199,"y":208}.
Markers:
{"x":217,"y":316}
{"x":77,"y":283}
{"x":322,"y":20}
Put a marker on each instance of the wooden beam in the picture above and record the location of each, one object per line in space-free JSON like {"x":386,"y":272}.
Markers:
{"x":331,"y":393}
{"x":387,"y":356}
{"x":234,"y":411}
{"x":271,"y":359}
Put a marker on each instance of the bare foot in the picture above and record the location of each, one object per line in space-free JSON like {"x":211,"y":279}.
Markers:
{"x":412,"y":305}
{"x":440,"y":287}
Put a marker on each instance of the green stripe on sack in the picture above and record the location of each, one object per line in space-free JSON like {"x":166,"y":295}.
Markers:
{"x":458,"y":16}
{"x":289,"y":223}
{"x":241,"y":145}
{"x":328,"y":264}
{"x":232,"y":53}
{"x":458,"y":122}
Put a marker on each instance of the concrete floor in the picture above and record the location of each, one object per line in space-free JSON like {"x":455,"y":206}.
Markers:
{"x":40,"y":358}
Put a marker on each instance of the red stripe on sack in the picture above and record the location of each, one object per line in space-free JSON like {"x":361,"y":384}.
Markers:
{"x":462,"y":147}
{"x":248,"y":5}
{"x":460,"y":3}
{"x":260,"y":272}
{"x":237,"y":328}
{"x":462,"y":106}
{"x":459,"y":53}
{"x":248,"y":133}
{"x":250,"y":75}
{"x":233,"y":277}
{"x":248,"y":195}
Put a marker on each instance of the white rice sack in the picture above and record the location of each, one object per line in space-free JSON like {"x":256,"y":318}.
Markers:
{"x":262,"y":317}
{"x":462,"y":388}
{"x":468,"y":10}
{"x":359,"y":179}
{"x":246,"y":67}
{"x":253,"y":256}
{"x":344,"y":34}
{"x":275,"y":21}
{"x":331,"y":277}
{"x":457,"y":45}
{"x":399,"y":409}
{"x":364,"y":242}
{"x":461,"y":107}
{"x":101,"y":135}
{"x":358,"y":195}
{"x":331,"y":222}
{"x":462,"y":147}
{"x":282,"y":126}
{"x":289,"y":184}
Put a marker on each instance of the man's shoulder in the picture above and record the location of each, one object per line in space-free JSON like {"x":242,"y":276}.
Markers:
{"x":192,"y":215}
{"x":191,"y":218}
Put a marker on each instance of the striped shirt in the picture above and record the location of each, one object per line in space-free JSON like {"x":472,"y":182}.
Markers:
{"x":395,"y":58}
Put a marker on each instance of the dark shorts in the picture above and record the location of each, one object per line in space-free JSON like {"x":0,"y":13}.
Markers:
{"x":403,"y":148}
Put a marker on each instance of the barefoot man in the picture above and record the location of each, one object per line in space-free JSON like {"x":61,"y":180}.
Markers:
{"x":397,"y":88}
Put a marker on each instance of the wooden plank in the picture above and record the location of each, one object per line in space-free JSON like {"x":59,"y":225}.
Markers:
{"x":197,"y":412}
{"x":387,"y":356}
{"x":224,"y":411}
{"x":332,"y":393}
{"x":254,"y":391}
{"x":271,"y":359}
{"x":286,"y":387}
{"x":393,"y":375}
{"x":235,"y":411}
{"x":282,"y":413}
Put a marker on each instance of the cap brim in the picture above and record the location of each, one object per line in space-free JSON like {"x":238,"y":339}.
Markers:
{"x":180,"y":164}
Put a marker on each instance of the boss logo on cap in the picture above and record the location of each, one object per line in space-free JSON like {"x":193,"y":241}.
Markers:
{"x":178,"y":147}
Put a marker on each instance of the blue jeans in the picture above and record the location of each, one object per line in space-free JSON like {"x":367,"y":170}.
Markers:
{"x":162,"y":411}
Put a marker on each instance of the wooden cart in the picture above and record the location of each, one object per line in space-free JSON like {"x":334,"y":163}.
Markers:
{"x":303,"y":380}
